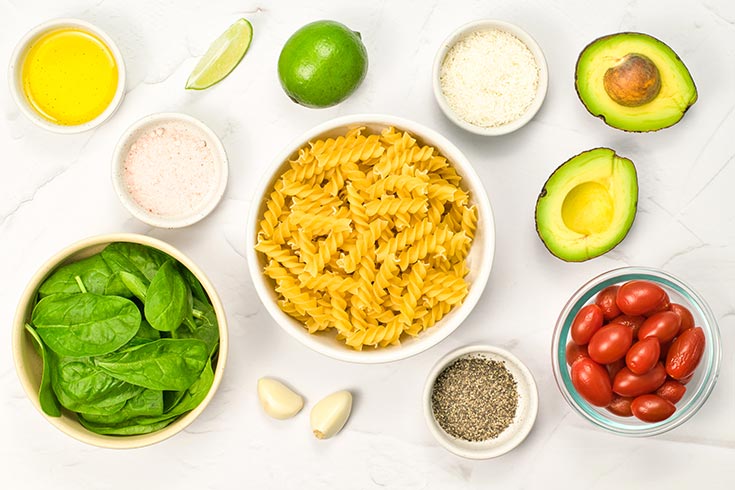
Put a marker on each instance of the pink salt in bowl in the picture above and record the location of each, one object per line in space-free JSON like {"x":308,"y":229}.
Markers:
{"x":169,"y":170}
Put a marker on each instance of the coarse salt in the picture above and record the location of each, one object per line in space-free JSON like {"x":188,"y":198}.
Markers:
{"x":489,"y":78}
{"x":171,"y":170}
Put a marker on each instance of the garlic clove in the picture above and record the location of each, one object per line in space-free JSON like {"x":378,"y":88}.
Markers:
{"x":278,"y":400}
{"x":330,"y":414}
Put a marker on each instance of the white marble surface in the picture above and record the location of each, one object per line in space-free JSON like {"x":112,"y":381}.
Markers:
{"x":56,"y":189}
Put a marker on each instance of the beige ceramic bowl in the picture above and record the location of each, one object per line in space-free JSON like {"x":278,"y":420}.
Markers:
{"x":479,"y":260}
{"x":28,"y":364}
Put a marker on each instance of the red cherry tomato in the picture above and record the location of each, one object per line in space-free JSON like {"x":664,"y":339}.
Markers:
{"x":641,"y":298}
{"x":606,"y":301}
{"x":591,"y":382}
{"x":610,"y":343}
{"x":671,"y":390}
{"x":575,"y":352}
{"x":685,"y":353}
{"x":664,"y":350}
{"x":614,"y":368}
{"x":633,"y":322}
{"x":687,"y":319}
{"x":587,"y":322}
{"x":652,"y":408}
{"x":643,"y":355}
{"x":664,"y":326}
{"x":620,"y":406}
{"x":628,"y":384}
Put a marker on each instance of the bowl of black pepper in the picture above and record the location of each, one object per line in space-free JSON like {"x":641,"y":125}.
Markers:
{"x":480,"y":402}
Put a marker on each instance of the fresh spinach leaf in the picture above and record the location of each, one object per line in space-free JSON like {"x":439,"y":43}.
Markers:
{"x":205,"y":327}
{"x":46,"y":397}
{"x":134,"y":284}
{"x":80,"y":325}
{"x":168,"y":300}
{"x":134,"y":258}
{"x":165,"y":364}
{"x":146,"y":403}
{"x":195,"y":393}
{"x":189,"y":399}
{"x":93,"y":272}
{"x":83,"y":387}
{"x":147,"y":332}
{"x":129,"y":428}
{"x":196,"y":287}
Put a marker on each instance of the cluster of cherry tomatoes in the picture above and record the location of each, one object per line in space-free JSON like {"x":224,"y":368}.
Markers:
{"x":633,"y":351}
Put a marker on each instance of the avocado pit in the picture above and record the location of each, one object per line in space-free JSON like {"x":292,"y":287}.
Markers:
{"x":588,"y":208}
{"x":633,"y":81}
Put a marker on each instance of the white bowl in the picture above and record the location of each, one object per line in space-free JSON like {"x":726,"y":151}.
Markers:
{"x":481,"y":25}
{"x":28,"y":364}
{"x":118,"y":167}
{"x":479,"y":260}
{"x":16,"y":83}
{"x":516,"y":431}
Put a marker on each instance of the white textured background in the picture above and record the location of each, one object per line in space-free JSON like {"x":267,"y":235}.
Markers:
{"x":56,"y":189}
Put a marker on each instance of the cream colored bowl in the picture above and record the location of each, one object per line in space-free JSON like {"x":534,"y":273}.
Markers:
{"x":28,"y":364}
{"x":479,"y":260}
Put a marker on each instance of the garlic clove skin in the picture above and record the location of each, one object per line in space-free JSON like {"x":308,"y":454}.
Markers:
{"x":330,"y":414}
{"x":278,"y":400}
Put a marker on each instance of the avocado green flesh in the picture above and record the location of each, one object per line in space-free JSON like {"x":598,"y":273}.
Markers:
{"x":677,"y":93}
{"x":587,"y":205}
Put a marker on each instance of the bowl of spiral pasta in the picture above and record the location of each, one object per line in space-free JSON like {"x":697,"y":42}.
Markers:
{"x":373,"y":238}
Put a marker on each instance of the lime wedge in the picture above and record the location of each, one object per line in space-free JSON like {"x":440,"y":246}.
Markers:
{"x":222,"y":56}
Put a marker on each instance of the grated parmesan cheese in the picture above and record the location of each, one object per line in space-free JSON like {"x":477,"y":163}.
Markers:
{"x":489,"y":78}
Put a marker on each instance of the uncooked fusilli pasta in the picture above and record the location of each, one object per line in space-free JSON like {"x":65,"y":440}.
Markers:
{"x":368,"y":235}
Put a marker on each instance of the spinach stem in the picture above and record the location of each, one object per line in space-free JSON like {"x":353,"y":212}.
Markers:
{"x":80,"y":284}
{"x":197,"y":313}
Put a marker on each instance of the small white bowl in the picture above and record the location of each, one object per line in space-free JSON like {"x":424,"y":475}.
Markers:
{"x":118,"y":168}
{"x":479,"y":260}
{"x":16,"y":68}
{"x":525,"y":413}
{"x":481,"y":25}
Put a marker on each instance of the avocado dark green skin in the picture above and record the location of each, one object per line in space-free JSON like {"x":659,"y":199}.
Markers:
{"x":602,"y":116}
{"x":543,"y":193}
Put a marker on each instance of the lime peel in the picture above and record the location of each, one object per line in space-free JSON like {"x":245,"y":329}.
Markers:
{"x":223,"y":55}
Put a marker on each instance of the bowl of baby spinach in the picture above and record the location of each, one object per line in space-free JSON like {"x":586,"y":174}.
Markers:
{"x":120,"y":341}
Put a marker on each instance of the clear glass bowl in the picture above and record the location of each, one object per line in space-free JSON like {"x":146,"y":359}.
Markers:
{"x":698,"y":389}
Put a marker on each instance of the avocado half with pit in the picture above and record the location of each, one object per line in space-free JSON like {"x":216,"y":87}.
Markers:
{"x":634,"y":82}
{"x":587,"y":205}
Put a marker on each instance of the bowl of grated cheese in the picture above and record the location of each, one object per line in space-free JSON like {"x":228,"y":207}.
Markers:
{"x":490,"y":77}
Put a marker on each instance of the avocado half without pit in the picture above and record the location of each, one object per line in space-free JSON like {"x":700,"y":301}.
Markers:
{"x":634,"y":82}
{"x":587,"y":205}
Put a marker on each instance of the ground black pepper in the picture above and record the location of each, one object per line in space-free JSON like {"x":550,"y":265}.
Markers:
{"x":475,"y":398}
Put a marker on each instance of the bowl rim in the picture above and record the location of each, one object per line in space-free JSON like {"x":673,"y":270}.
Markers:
{"x":82,"y":434}
{"x":16,"y":65}
{"x":118,"y":161}
{"x":620,"y":275}
{"x":523,"y":428}
{"x":523,"y":36}
{"x":390,"y":354}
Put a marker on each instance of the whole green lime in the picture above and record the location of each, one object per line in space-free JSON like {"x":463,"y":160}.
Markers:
{"x":322,"y":63}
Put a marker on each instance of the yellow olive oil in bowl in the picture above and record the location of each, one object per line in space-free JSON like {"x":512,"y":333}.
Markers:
{"x":69,"y":76}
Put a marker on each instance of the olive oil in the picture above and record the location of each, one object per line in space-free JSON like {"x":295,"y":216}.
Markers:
{"x":69,"y":76}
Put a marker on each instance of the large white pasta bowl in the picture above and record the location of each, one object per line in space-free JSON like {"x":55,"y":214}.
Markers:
{"x":479,"y":260}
